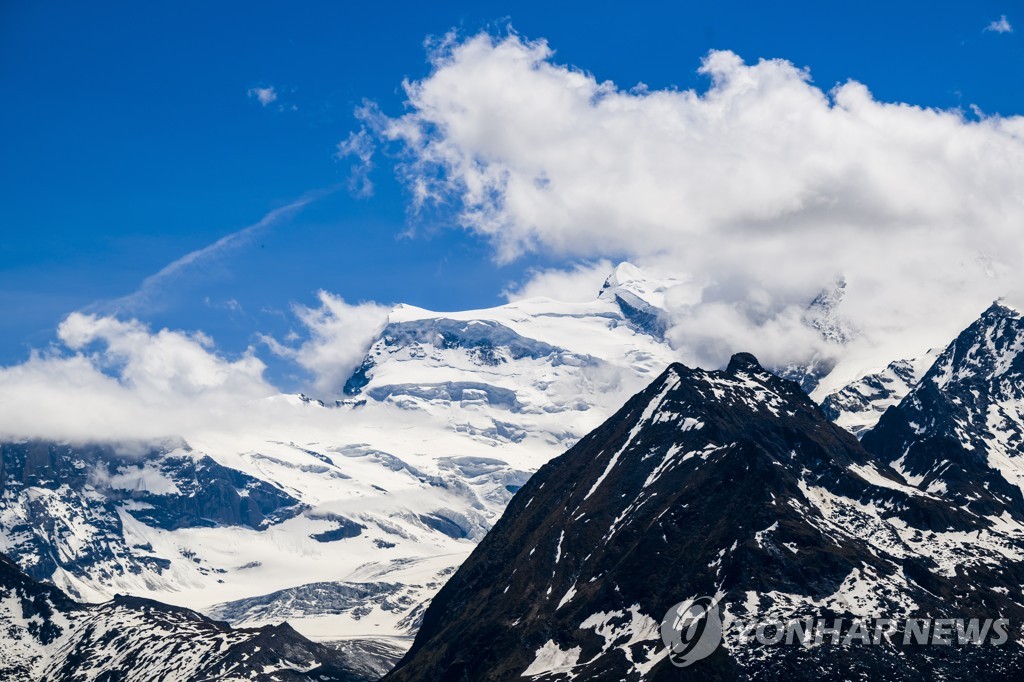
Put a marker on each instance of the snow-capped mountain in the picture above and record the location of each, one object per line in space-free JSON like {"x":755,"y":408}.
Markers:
{"x":47,"y":636}
{"x":640,"y":299}
{"x":823,"y":315}
{"x":341,"y":518}
{"x":532,"y":358}
{"x":859,"y":405}
{"x":63,"y":506}
{"x":960,"y":431}
{"x":734,"y":485}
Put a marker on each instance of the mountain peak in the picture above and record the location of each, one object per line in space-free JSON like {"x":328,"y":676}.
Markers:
{"x":639,"y":297}
{"x":961,"y":428}
{"x":742,"y":361}
{"x":1000,"y":308}
{"x":623,"y":273}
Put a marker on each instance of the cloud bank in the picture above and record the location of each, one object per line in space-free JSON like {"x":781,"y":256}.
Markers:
{"x":110,"y":377}
{"x":114,"y":380}
{"x":752,"y":196}
{"x":120,"y":381}
{"x":580,"y":282}
{"x":762,"y":190}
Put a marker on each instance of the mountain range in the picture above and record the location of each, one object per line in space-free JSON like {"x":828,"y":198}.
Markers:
{"x":48,"y":636}
{"x":346,"y":516}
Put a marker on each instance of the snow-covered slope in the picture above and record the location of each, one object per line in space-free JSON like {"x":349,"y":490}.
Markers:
{"x":859,"y":405}
{"x":343,"y":518}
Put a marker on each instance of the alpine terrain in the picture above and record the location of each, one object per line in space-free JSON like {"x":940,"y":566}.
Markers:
{"x":48,"y":636}
{"x":340,"y":517}
{"x":735,"y":486}
{"x":343,"y":517}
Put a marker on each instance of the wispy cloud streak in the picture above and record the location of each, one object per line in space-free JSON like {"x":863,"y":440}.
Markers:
{"x":153,"y":285}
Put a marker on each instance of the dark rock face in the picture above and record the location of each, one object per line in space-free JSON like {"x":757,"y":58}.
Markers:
{"x":44,"y":635}
{"x":344,"y":529}
{"x":316,"y":598}
{"x":455,"y":391}
{"x":731,"y":484}
{"x":960,"y":432}
{"x":641,"y":314}
{"x":53,"y":491}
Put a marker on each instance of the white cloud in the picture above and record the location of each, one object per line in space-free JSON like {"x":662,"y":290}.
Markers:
{"x":580,"y":282}
{"x":360,"y":145}
{"x":117,"y":380}
{"x":339,"y":334}
{"x":761,"y":190}
{"x":264,"y":95}
{"x":165,"y":362}
{"x":1000,"y":26}
{"x":111,"y":378}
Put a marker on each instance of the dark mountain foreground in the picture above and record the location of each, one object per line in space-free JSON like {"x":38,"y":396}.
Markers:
{"x":733,"y":486}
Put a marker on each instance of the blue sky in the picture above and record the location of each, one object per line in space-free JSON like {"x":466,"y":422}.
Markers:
{"x":131,"y":136}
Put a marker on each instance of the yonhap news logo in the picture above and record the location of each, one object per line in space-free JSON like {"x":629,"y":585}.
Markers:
{"x":693,"y":629}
